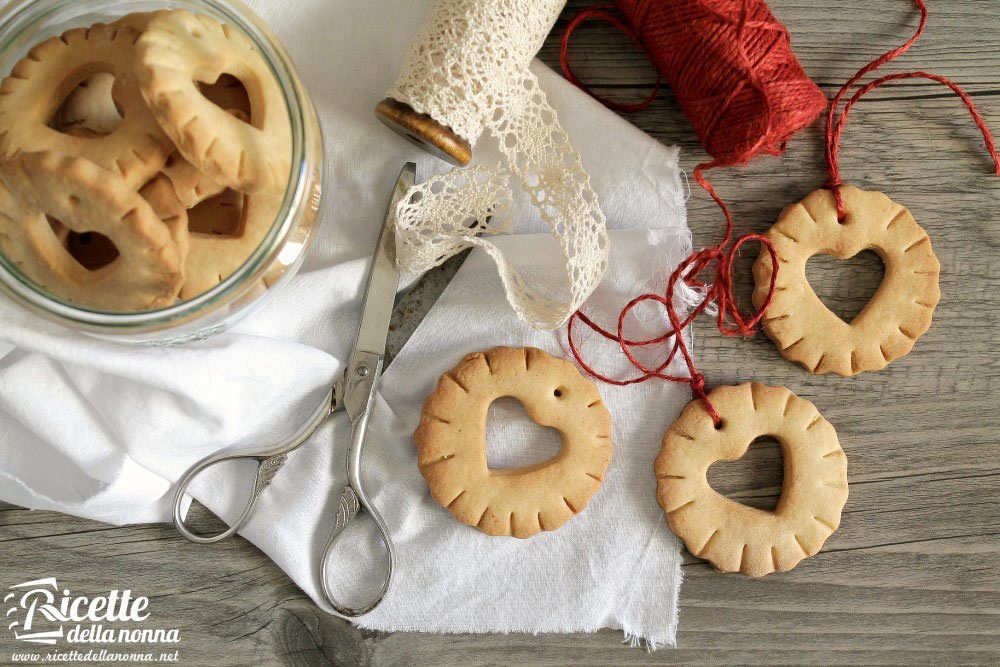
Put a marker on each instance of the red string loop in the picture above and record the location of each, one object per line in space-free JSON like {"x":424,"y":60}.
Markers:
{"x":604,"y":13}
{"x":730,"y":319}
{"x":835,"y":124}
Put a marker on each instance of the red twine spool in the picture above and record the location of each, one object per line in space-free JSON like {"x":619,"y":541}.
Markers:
{"x":729,"y":62}
{"x":732,"y":68}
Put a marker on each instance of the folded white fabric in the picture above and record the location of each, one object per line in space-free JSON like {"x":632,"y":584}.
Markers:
{"x":102,"y":431}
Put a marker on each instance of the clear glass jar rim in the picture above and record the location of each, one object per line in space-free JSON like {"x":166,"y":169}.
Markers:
{"x":20,"y":16}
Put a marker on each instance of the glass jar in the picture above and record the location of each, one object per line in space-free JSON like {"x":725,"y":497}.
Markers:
{"x":24,"y":23}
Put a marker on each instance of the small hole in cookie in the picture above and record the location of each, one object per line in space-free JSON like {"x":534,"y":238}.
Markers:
{"x":559,"y":392}
{"x":513,"y":440}
{"x":91,"y":250}
{"x":754,"y":479}
{"x":221,"y":215}
{"x":845,"y":286}
{"x":89,"y":110}
{"x":227,"y":92}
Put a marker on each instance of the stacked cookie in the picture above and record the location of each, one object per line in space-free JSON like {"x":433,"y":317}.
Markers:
{"x":143,"y":161}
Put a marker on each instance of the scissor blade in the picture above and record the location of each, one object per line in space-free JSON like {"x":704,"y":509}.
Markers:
{"x":383,"y":277}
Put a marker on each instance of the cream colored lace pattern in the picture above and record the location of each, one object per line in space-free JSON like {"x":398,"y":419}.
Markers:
{"x":468,"y":69}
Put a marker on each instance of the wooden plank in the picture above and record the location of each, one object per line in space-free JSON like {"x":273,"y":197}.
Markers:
{"x":912,"y":575}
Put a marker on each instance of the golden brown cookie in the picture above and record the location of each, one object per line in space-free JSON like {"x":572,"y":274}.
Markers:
{"x":225,"y":231}
{"x":47,"y":197}
{"x":808,"y":332}
{"x":38,"y":84}
{"x":191,"y":184}
{"x":729,"y":535}
{"x":177,"y":51}
{"x":451,"y":442}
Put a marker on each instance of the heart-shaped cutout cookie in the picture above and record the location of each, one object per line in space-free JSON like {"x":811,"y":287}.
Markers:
{"x":804,"y":328}
{"x":517,"y":501}
{"x":733,"y":536}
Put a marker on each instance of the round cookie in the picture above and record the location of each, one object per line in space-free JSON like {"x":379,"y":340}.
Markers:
{"x":179,"y":49}
{"x":81,"y":197}
{"x":451,"y":442}
{"x":729,"y":535}
{"x":39,"y":83}
{"x":808,"y":332}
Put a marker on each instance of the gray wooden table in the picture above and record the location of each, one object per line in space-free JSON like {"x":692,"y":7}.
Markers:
{"x":912,"y":576}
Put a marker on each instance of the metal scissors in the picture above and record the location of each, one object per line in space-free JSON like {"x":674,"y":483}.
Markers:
{"x":353,"y":393}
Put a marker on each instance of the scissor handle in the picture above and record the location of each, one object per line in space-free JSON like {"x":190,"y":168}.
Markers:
{"x":267,"y":468}
{"x":352,"y":502}
{"x":269,"y":461}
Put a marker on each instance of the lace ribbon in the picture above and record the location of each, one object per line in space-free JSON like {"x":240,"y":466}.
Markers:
{"x":468,"y":68}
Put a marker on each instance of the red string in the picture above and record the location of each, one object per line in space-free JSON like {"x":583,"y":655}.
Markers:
{"x":733,"y":71}
{"x":835,"y":125}
{"x":730,"y":319}
{"x":603,"y":13}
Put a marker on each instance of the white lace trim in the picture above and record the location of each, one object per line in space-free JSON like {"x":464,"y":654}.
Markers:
{"x":468,"y":69}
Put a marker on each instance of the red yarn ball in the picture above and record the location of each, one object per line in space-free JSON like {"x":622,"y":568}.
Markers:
{"x":731,"y":66}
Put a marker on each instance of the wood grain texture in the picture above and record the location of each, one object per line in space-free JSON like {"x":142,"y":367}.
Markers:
{"x":911,"y":577}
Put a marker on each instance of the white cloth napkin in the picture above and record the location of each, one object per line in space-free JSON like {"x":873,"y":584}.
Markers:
{"x":102,"y":431}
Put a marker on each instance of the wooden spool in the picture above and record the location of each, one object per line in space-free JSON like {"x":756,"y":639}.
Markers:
{"x":424,"y":131}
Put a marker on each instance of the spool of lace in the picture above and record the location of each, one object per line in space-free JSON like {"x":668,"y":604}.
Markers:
{"x":467,"y":74}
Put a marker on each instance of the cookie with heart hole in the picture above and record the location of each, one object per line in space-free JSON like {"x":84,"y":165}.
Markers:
{"x":226,"y":230}
{"x":900,"y":312}
{"x":39,"y":84}
{"x":48,"y":199}
{"x":177,"y":50}
{"x":518,"y":502}
{"x":734,"y":537}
